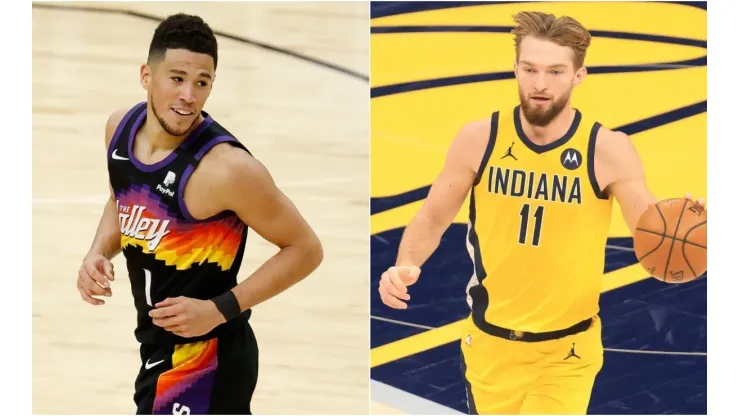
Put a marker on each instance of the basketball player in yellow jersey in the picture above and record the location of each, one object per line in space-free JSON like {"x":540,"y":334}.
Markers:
{"x":542,"y":177}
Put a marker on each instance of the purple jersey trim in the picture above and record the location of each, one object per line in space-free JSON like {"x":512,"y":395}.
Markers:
{"x":213,"y":142}
{"x":164,"y":162}
{"x":189,"y":171}
{"x":119,"y":128}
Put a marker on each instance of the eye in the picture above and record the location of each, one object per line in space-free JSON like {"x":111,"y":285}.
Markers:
{"x":202,"y":83}
{"x":556,"y":72}
{"x":529,"y":70}
{"x":176,"y":79}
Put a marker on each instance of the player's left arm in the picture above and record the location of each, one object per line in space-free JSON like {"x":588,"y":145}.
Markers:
{"x":249,"y":191}
{"x":620,"y":171}
{"x":239,"y":183}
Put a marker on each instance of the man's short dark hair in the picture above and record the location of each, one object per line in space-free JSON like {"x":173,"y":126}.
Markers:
{"x":183,"y":31}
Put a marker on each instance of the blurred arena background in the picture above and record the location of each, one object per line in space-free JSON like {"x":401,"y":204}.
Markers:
{"x":292,"y":85}
{"x":435,"y":66}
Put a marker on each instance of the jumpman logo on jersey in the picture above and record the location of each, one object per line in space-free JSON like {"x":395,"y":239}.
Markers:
{"x":572,"y":353}
{"x":508,"y":152}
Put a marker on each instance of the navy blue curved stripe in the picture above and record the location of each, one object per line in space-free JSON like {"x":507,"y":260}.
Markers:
{"x":382,"y":204}
{"x":697,"y":4}
{"x":663,"y":119}
{"x":403,"y":87}
{"x":507,"y":29}
{"x":393,"y":8}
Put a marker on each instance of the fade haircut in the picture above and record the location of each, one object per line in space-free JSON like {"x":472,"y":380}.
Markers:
{"x":183,"y":31}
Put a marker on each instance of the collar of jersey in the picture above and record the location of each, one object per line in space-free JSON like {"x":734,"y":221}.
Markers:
{"x":550,"y":146}
{"x":169,"y":158}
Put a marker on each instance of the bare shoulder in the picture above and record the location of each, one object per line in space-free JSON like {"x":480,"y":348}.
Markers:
{"x":112,"y":124}
{"x":616,"y":157}
{"x":612,"y":146}
{"x":236,"y":181}
{"x":113,"y":120}
{"x":230,"y":168}
{"x":231,"y":160}
{"x":475,"y":133}
{"x":224,"y":178}
{"x":470,"y":143}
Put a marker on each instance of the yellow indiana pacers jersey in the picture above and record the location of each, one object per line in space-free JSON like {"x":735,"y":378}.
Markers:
{"x":538,"y":228}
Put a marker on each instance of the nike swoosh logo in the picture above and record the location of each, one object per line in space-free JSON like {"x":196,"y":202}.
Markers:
{"x":148,"y":365}
{"x":115,"y":156}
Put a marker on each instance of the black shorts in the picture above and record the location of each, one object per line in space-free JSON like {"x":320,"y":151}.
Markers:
{"x":216,"y":376}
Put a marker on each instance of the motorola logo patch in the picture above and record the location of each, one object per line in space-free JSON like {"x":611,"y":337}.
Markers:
{"x":571,"y":159}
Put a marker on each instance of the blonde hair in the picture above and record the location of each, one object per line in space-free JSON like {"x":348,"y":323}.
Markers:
{"x":564,"y":31}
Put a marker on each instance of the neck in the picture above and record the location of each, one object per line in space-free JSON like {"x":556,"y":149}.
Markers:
{"x":556,"y":129}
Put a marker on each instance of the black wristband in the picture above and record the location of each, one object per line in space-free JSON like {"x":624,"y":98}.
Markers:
{"x":228,"y":305}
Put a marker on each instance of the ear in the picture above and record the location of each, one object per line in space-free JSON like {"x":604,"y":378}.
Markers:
{"x":145,"y":76}
{"x":516,"y":69}
{"x":580,"y":76}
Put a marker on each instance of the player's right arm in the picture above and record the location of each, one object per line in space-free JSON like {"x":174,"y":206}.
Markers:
{"x":96,"y":268}
{"x":446,"y":196}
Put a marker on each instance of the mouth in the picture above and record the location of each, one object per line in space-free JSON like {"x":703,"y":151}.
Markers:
{"x":540,"y":99}
{"x":182,"y":113}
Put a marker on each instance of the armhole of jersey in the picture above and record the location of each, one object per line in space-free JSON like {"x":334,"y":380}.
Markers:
{"x":122,"y":126}
{"x":479,"y":272}
{"x":591,"y":158}
{"x":191,"y":168}
{"x":489,"y":147}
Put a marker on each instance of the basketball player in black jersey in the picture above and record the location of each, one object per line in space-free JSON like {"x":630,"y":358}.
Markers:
{"x":184,"y":191}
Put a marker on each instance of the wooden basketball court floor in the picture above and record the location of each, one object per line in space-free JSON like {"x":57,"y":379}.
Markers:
{"x":307,"y":122}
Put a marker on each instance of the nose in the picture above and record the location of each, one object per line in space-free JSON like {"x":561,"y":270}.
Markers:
{"x":540,"y":84}
{"x":186,"y":94}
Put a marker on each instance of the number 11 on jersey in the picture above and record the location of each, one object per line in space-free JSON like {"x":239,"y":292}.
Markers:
{"x":525,"y":225}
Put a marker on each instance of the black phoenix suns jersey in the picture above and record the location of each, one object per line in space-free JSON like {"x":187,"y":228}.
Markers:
{"x":168,"y":252}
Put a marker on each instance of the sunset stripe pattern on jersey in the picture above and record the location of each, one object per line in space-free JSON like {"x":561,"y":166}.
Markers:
{"x":190,"y":381}
{"x":145,"y":222}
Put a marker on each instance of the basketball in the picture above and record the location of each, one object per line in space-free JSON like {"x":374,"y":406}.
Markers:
{"x":671,"y":240}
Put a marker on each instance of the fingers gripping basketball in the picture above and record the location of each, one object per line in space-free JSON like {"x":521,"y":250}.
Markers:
{"x":671,"y":240}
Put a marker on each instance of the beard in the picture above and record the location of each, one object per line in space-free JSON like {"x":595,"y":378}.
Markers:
{"x":539,"y":115}
{"x":166,"y":127}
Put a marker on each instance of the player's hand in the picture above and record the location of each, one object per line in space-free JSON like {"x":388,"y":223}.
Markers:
{"x":699,"y":201}
{"x":93,"y":277}
{"x":393,"y":284}
{"x":186,"y":317}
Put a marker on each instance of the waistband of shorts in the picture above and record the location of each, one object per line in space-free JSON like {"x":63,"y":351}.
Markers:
{"x":522,"y":336}
{"x":223,"y":330}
